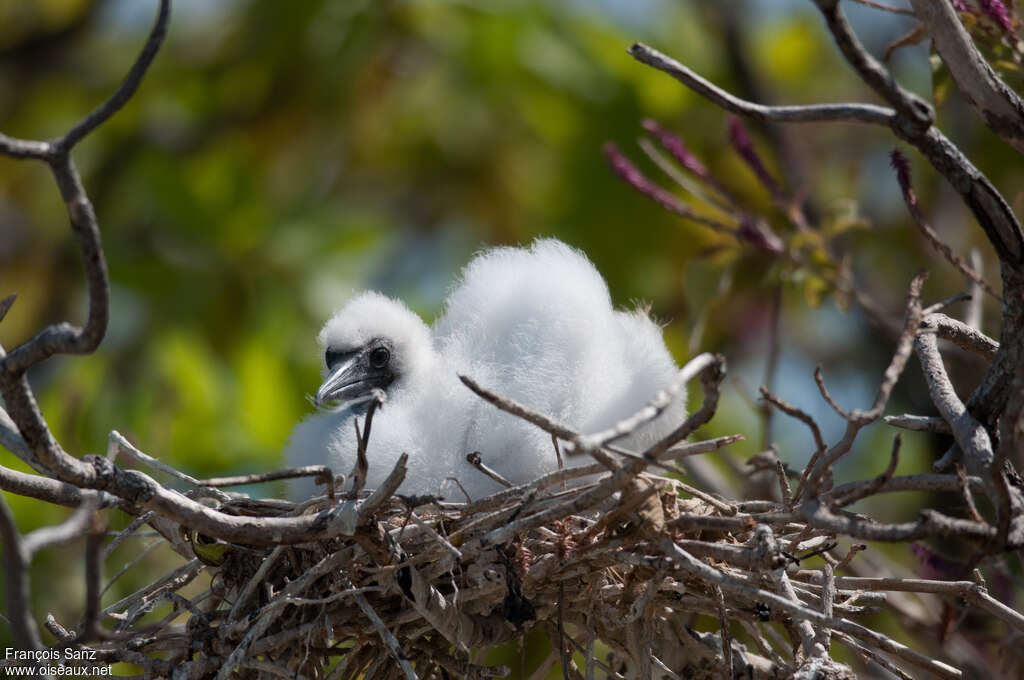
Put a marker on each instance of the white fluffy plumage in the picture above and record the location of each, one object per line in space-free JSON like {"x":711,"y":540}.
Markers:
{"x":533,"y":324}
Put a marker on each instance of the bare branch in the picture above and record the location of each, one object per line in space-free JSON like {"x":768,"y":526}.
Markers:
{"x":654,"y":408}
{"x":963,"y":336}
{"x":802,"y":416}
{"x":16,"y":559}
{"x":723,"y":627}
{"x":930,"y":524}
{"x":24,"y":148}
{"x":91,"y":628}
{"x":259,"y":478}
{"x":927,"y":482}
{"x":902,"y":167}
{"x":819,"y":380}
{"x":712,"y":575}
{"x":712,"y":371}
{"x":814,"y":113}
{"x":45,"y":489}
{"x":127,"y":88}
{"x":476,"y":460}
{"x":998,"y":105}
{"x":386,"y":635}
{"x":73,"y":528}
{"x":913,"y":111}
{"x":910,"y":121}
{"x":11,"y":440}
{"x":857,"y":419}
{"x":841,"y":500}
{"x":968,"y":432}
{"x":545,"y":423}
{"x":969,"y":590}
{"x":919,"y":423}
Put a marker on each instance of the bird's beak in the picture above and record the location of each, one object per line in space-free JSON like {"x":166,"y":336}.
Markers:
{"x":346,"y":381}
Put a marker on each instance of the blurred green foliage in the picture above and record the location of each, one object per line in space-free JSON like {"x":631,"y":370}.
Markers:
{"x":280,"y":155}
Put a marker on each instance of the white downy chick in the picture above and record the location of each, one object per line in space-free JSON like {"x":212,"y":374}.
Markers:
{"x":533,"y":324}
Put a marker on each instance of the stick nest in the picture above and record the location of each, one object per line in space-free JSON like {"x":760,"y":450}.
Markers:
{"x":425,"y":586}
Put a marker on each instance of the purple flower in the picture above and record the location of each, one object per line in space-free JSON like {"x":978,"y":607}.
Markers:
{"x":757,"y":233}
{"x":960,"y":6}
{"x":632,"y":176}
{"x":997,"y":12}
{"x":900,"y":164}
{"x":745,"y":148}
{"x":675,"y":146}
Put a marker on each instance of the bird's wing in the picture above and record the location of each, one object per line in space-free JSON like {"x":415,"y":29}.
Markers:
{"x":524,"y":309}
{"x":650,"y":368}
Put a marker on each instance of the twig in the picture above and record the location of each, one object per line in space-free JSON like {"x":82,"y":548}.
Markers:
{"x":963,"y":336}
{"x":965,"y":491}
{"x":969,"y":590}
{"x":678,"y":177}
{"x":542,"y":421}
{"x":828,"y":595}
{"x":5,"y":305}
{"x":127,"y":88}
{"x":65,"y":338}
{"x":16,"y":559}
{"x":712,"y":371}
{"x":911,"y":121}
{"x":840,"y":500}
{"x":930,"y":523}
{"x":865,"y":113}
{"x":654,"y":408}
{"x":359,"y":477}
{"x":71,"y":529}
{"x":362,"y":465}
{"x":902,"y":167}
{"x":46,"y":489}
{"x":320,"y":471}
{"x":808,"y":638}
{"x":11,"y":440}
{"x":116,"y":442}
{"x":946,"y":302}
{"x":723,"y":627}
{"x":91,"y":629}
{"x":477,"y":461}
{"x":793,"y":411}
{"x":919,"y":423}
{"x":968,"y":432}
{"x":784,"y":488}
{"x":848,"y":557}
{"x":857,"y":419}
{"x":819,"y":380}
{"x":632,"y":176}
{"x":712,"y":575}
{"x":563,"y":653}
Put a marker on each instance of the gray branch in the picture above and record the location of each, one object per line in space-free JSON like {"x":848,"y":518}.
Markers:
{"x":998,"y":105}
{"x":810,"y":113}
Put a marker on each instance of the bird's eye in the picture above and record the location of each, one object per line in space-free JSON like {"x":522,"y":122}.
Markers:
{"x":380,"y":357}
{"x":332,"y":357}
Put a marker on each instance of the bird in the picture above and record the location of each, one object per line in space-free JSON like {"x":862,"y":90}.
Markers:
{"x":535,"y":324}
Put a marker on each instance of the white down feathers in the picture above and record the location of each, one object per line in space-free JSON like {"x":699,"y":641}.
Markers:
{"x":532,"y":324}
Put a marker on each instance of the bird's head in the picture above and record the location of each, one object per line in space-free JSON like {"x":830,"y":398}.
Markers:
{"x":373,"y":342}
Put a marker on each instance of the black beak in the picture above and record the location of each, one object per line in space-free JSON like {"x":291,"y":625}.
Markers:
{"x":351,"y":380}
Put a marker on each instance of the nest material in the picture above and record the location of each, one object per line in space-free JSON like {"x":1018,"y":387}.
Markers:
{"x":424,"y":586}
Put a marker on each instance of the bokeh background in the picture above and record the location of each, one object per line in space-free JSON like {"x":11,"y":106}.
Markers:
{"x":280,"y":156}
